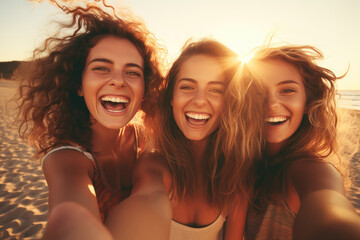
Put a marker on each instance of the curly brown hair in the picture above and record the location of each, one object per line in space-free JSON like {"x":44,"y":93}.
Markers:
{"x":50,"y":111}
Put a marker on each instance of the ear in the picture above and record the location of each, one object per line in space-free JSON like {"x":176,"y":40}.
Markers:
{"x":80,"y":92}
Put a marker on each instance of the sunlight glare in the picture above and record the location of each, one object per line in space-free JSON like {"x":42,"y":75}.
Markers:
{"x":245,"y":58}
{"x":92,"y":190}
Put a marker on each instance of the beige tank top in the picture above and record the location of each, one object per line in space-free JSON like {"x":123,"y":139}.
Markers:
{"x":214,"y":231}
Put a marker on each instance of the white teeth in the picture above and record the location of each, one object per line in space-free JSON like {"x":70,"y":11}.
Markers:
{"x":115,"y":111}
{"x":276,"y":119}
{"x":198,"y":116}
{"x":115,"y":99}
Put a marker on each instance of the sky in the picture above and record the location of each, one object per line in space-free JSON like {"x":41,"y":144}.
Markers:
{"x":330,"y":25}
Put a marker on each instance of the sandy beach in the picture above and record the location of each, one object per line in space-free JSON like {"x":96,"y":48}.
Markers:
{"x":23,"y":190}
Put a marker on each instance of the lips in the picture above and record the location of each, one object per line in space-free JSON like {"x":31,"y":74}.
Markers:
{"x":276,"y":120}
{"x":197,"y":119}
{"x":114,"y":104}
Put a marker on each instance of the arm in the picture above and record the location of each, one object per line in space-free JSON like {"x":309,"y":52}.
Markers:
{"x":325,"y":212}
{"x":146,"y":214}
{"x":235,"y":221}
{"x":67,"y":173}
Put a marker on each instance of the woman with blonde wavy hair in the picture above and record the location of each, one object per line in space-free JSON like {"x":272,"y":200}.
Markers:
{"x":299,"y":191}
{"x":197,"y":159}
{"x":77,"y":99}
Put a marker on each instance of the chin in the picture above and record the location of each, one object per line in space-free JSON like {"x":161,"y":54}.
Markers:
{"x":115,"y":125}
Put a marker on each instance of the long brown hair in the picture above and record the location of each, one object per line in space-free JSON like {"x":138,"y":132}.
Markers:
{"x":316,"y":138}
{"x":51,"y":112}
{"x":221,"y":167}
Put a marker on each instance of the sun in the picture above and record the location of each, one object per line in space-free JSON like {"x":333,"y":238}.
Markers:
{"x":246,"y":58}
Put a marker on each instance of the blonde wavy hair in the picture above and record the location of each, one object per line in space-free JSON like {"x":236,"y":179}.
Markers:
{"x":230,"y":147}
{"x":241,"y":131}
{"x":317,"y":137}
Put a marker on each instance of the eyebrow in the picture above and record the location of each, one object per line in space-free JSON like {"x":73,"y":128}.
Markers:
{"x":100,"y":60}
{"x":194,"y":81}
{"x":105,"y":60}
{"x":287,"y":82}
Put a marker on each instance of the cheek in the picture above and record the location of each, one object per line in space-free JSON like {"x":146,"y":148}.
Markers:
{"x":89,"y":85}
{"x":299,"y":107}
{"x":177,"y":101}
{"x":218,"y":105}
{"x":177,"y":108}
{"x":138,"y":90}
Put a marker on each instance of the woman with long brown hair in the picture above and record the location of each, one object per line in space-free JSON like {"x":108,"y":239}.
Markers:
{"x":299,"y":191}
{"x":196,"y":156}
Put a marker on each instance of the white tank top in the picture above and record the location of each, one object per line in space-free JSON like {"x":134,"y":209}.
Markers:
{"x":214,"y":231}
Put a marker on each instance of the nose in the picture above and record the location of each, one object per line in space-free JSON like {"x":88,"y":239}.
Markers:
{"x":199,"y":98}
{"x":118,"y":80}
{"x":272,"y":102}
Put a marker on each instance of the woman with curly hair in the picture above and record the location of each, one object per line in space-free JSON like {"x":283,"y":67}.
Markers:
{"x":77,"y":101}
{"x":196,"y":157}
{"x":299,"y":191}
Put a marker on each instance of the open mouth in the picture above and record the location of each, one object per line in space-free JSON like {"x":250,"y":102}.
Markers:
{"x":114,"y":104}
{"x":276,"y":120}
{"x":197,"y":118}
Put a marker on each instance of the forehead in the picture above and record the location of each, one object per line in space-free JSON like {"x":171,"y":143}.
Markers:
{"x":202,"y":68}
{"x":276,"y":71}
{"x":116,"y":49}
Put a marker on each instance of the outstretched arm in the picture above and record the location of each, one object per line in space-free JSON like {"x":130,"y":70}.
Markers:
{"x":68,"y":174}
{"x":325,"y":212}
{"x":146,"y":213}
{"x":73,"y":208}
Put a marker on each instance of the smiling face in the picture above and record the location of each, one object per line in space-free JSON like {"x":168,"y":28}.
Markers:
{"x":198,"y":98}
{"x":286,"y":101}
{"x":112,"y":82}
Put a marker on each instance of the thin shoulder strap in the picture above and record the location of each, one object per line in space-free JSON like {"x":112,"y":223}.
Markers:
{"x":137,"y":140}
{"x":87,"y":154}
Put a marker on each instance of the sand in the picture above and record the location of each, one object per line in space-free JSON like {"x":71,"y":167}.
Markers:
{"x":23,"y":190}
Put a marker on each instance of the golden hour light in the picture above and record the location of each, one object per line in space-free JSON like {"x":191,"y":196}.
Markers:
{"x":183,"y":115}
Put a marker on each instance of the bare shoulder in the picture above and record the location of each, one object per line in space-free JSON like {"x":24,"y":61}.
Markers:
{"x":67,"y":162}
{"x":69,"y":175}
{"x":313,"y":175}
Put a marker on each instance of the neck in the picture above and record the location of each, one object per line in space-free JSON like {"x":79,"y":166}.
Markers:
{"x":198,"y":149}
{"x":103,"y":138}
{"x":274,"y":148}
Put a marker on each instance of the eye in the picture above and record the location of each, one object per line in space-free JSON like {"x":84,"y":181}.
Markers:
{"x":186,"y":87}
{"x":217,"y":91}
{"x":100,"y":69}
{"x":134,"y":73}
{"x":288,"y":91}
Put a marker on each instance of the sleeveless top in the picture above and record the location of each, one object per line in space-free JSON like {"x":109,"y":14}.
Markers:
{"x":275,"y":223}
{"x":107,"y":197}
{"x":214,"y":231}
